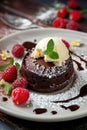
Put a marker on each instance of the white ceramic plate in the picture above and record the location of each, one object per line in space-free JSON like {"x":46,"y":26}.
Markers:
{"x":44,"y":100}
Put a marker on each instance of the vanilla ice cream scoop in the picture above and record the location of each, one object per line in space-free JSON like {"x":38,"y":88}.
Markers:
{"x":58,"y":47}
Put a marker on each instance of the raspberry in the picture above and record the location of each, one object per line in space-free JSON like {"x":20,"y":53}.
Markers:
{"x":18,"y":51}
{"x":75,"y":15}
{"x":59,"y":23}
{"x":10,"y":73}
{"x":20,"y":95}
{"x":72,"y":25}
{"x":66,"y":43}
{"x":62,"y":12}
{"x":21,"y":82}
{"x":72,"y":4}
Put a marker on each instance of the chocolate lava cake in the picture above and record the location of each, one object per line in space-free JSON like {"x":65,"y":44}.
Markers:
{"x":45,"y":76}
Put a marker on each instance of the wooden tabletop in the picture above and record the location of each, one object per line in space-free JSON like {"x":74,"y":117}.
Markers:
{"x":31,"y":10}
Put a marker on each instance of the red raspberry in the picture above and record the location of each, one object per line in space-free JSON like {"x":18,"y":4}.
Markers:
{"x":72,"y":25}
{"x":20,"y":95}
{"x":62,"y":12}
{"x":75,"y":15}
{"x":59,"y":23}
{"x":72,"y":4}
{"x":66,"y":43}
{"x":21,"y":82}
{"x":10,"y":73}
{"x":18,"y":51}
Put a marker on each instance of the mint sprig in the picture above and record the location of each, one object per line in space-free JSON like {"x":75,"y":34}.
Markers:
{"x":49,"y":51}
{"x":7,"y":88}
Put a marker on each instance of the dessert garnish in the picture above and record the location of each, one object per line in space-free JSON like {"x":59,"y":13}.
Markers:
{"x":6,"y":87}
{"x":75,"y":43}
{"x":10,"y":73}
{"x":10,"y":83}
{"x":52,"y":49}
{"x":13,"y":86}
{"x":66,"y":43}
{"x":49,"y":51}
{"x":18,"y":50}
{"x":4,"y":55}
{"x":20,"y":95}
{"x":20,"y":82}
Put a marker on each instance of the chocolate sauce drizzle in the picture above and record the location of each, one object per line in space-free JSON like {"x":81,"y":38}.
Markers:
{"x":72,"y":107}
{"x":83,"y":92}
{"x":54,"y":112}
{"x":4,"y":99}
{"x":85,"y":61}
{"x":28,"y":45}
{"x":40,"y":110}
{"x":79,"y":65}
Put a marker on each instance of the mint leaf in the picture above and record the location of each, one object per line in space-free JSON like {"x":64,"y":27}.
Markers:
{"x":46,"y":52}
{"x":11,"y":62}
{"x":7,"y":88}
{"x":17,"y":65}
{"x":2,"y":67}
{"x":54,"y":55}
{"x":50,"y":45}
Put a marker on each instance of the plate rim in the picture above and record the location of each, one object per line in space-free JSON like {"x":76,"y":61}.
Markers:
{"x":41,"y":29}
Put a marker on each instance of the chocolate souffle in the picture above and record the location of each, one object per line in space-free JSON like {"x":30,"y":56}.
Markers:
{"x":45,"y":76}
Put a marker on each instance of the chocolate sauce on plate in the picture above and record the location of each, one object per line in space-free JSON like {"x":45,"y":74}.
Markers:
{"x":85,"y":61}
{"x":4,"y":99}
{"x":54,"y":112}
{"x":40,"y":110}
{"x":79,"y":65}
{"x":72,"y":107}
{"x":83,"y":92}
{"x":29,"y":45}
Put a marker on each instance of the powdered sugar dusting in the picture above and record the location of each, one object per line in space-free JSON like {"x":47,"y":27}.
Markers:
{"x":48,"y":72}
{"x":45,"y":100}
